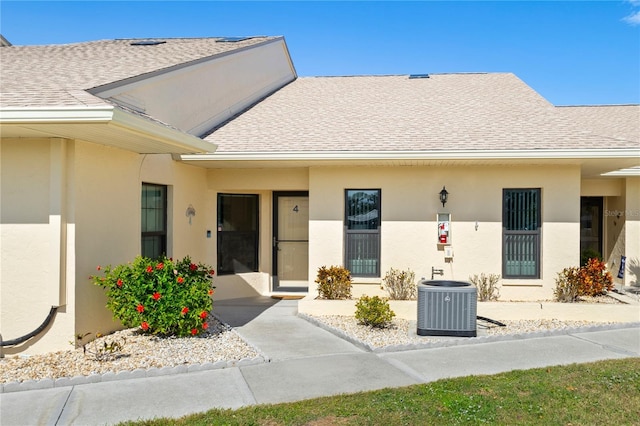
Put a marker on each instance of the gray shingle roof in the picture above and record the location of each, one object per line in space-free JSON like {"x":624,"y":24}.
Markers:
{"x":618,"y":122}
{"x":391,"y":113}
{"x":59,"y":75}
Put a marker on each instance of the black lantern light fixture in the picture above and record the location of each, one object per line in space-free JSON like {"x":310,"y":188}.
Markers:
{"x":443,"y":196}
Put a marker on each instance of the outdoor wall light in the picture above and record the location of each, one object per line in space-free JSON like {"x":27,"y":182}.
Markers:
{"x":443,"y":196}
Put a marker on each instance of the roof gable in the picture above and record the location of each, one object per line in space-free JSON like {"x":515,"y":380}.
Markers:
{"x":53,"y":75}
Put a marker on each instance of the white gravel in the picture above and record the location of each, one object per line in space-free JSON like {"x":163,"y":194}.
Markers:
{"x":221,"y":343}
{"x":403,"y":332}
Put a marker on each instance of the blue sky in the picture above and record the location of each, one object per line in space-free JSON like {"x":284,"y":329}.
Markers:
{"x":572,"y":53}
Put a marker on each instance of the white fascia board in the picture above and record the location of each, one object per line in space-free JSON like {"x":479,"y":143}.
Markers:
{"x":418,"y":155}
{"x":110,"y":115}
{"x":631,"y":171}
{"x":57,"y":115}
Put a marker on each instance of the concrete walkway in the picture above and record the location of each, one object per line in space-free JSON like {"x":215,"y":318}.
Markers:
{"x":306,"y":361}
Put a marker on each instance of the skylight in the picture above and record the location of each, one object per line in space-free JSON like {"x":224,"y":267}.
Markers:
{"x":147,"y":42}
{"x":232,"y":39}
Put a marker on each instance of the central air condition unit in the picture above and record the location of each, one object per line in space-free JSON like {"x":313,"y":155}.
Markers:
{"x":447,"y":308}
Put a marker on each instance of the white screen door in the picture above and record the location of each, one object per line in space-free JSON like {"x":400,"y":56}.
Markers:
{"x":291,"y":241}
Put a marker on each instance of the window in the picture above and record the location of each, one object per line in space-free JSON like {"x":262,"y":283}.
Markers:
{"x":237,"y":233}
{"x":521,"y":233}
{"x":362,"y":232}
{"x":154,"y":220}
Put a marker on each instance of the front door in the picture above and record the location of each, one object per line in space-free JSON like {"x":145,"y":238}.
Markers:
{"x":290,"y":241}
{"x":590,"y":228}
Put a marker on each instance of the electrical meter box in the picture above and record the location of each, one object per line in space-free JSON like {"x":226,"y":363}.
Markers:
{"x":444,"y":228}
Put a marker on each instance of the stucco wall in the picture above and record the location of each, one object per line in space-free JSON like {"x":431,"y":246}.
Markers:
{"x":69,"y":206}
{"x":409,"y":206}
{"x":107,"y":225}
{"x":632,"y":231}
{"x":34,"y":269}
{"x":187,"y":187}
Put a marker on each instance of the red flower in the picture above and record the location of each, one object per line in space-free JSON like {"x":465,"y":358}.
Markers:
{"x":160,"y":265}
{"x":156,"y":296}
{"x":194,"y":331}
{"x":210,"y":292}
{"x":180,"y":280}
{"x":140,"y":308}
{"x":184,"y":311}
{"x":203,"y":314}
{"x":98,"y":268}
{"x":212,"y":272}
{"x":205,"y":325}
{"x":144,"y":325}
{"x":149,"y":269}
{"x":119,"y":282}
{"x":193,"y":266}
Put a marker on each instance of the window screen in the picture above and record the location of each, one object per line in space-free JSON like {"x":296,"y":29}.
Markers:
{"x":521,"y":214}
{"x":362,"y":232}
{"x":237,"y":233}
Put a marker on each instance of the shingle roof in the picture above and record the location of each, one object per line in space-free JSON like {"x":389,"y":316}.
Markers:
{"x":391,"y":113}
{"x":618,"y":122}
{"x":59,"y":75}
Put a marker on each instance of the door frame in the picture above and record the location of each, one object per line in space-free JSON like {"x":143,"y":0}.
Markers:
{"x":274,"y":246}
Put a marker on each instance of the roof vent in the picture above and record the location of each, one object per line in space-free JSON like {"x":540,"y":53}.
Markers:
{"x":147,"y":42}
{"x":412,"y":76}
{"x":232,"y":39}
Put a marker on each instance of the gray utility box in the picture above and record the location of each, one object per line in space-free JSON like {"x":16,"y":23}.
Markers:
{"x":447,"y":308}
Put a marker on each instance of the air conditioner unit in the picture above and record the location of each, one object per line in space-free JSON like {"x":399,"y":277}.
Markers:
{"x":447,"y":308}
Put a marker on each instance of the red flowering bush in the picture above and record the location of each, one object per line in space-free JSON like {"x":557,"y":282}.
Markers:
{"x":165,"y":297}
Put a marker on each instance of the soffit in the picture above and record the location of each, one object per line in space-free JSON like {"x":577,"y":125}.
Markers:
{"x":110,"y":127}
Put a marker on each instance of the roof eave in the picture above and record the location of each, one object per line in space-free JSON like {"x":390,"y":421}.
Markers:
{"x":104,"y":125}
{"x":501,"y":154}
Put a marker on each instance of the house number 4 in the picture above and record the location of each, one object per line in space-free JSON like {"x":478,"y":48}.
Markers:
{"x":295,"y":209}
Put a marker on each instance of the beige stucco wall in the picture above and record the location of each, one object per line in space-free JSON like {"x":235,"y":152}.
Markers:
{"x":632,"y":231}
{"x":35,"y":271}
{"x":108,"y":218}
{"x":107,"y":225}
{"x":607,"y":187}
{"x":69,"y":206}
{"x":614,"y":231}
{"x":409,"y":206}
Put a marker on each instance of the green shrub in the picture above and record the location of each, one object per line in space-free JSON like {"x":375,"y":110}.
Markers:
{"x":487,"y":286}
{"x":595,"y":280}
{"x":567,"y":285}
{"x":588,"y":254}
{"x":374,"y":312}
{"x":334,"y":282}
{"x":162,"y":297}
{"x":400,"y":285}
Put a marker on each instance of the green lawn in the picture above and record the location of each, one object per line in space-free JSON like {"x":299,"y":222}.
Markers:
{"x":601,"y":393}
